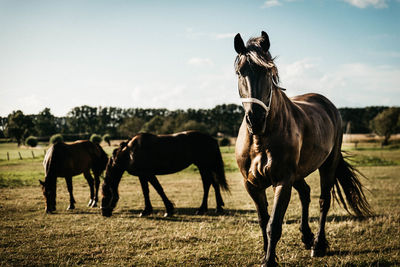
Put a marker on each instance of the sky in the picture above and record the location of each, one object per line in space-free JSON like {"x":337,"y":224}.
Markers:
{"x":180,"y":55}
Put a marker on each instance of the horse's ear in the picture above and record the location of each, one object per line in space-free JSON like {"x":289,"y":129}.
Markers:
{"x":239,"y":45}
{"x":41,"y":182}
{"x":265,"y":44}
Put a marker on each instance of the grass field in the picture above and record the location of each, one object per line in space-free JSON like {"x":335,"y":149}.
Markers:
{"x":28,"y":236}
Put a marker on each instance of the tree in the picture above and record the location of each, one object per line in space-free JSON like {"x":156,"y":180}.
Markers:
{"x":19,"y":126}
{"x":130,"y":126}
{"x":154,"y":125}
{"x":95,"y":138}
{"x":387,"y":123}
{"x":56,"y":138}
{"x":45,"y":123}
{"x":107,"y":139}
{"x":31,"y":141}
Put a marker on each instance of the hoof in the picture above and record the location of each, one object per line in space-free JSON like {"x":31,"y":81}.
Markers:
{"x":90,"y":203}
{"x":318,"y":253}
{"x":219,"y":210}
{"x":169,"y":213}
{"x":71,"y":207}
{"x":106,"y":212}
{"x":308,"y":241}
{"x":94,"y":204}
{"x":146,"y":212}
{"x":269,"y":264}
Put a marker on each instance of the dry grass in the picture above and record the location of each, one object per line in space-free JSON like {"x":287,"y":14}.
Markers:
{"x":83,"y":237}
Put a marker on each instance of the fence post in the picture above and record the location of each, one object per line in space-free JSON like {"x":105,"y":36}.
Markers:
{"x":19,"y":153}
{"x":8,"y":156}
{"x":33,"y":154}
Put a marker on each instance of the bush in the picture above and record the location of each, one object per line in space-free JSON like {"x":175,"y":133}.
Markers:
{"x":107,"y":139}
{"x":95,"y":138}
{"x":56,"y":138}
{"x":31,"y":141}
{"x":224,"y":142}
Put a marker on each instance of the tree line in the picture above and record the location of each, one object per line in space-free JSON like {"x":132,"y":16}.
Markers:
{"x":120,"y":123}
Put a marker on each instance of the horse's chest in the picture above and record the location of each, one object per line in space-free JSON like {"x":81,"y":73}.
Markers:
{"x":259,"y":170}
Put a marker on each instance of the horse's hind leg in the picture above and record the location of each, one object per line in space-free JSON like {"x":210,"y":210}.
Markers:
{"x":206,"y":178}
{"x":304,"y":192}
{"x":327,"y":177}
{"x":96,"y":190}
{"x":168,"y":204}
{"x":68,"y":180}
{"x":148,"y":209}
{"x":90,"y":182}
{"x":218,"y":197}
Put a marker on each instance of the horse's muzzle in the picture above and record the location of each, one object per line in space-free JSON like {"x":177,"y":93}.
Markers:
{"x":106,"y":212}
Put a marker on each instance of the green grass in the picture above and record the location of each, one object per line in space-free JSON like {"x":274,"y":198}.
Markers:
{"x":83,"y":237}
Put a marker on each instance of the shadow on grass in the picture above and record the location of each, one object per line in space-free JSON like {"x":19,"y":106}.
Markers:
{"x":190,"y":214}
{"x":362,"y":251}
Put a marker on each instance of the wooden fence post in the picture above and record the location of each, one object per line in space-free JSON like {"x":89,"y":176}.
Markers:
{"x":8,"y":156}
{"x":33,"y":154}
{"x":19,"y":153}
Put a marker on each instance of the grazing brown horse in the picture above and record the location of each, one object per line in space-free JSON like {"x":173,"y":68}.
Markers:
{"x":281,"y":141}
{"x":147,"y":155}
{"x":67,"y":160}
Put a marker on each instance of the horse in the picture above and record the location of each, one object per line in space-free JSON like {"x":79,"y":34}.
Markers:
{"x":281,"y":141}
{"x":147,"y":155}
{"x":67,"y":160}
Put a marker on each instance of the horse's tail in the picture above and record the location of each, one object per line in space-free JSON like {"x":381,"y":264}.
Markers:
{"x":347,"y":176}
{"x":220,"y":171}
{"x":101,"y":161}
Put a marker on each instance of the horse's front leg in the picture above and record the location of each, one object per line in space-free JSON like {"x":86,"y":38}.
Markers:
{"x":71,"y":206}
{"x":148,"y":209}
{"x":260,"y":200}
{"x":274,"y":228}
{"x":168,"y":204}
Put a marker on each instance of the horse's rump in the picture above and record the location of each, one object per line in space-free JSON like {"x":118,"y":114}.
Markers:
{"x":63,"y":159}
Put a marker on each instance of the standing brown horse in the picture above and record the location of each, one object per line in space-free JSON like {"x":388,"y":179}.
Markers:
{"x":281,"y":141}
{"x":67,"y":160}
{"x":147,"y":155}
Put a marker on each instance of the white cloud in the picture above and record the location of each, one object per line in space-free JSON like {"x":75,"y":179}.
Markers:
{"x":224,"y":35}
{"x":197,"y":61}
{"x":204,"y":90}
{"x":271,"y":3}
{"x":193,"y":34}
{"x":367,"y":3}
{"x":352,"y":84}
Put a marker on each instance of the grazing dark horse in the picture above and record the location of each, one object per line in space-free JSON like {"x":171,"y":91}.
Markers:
{"x":67,"y":160}
{"x":147,"y":155}
{"x":281,"y":141}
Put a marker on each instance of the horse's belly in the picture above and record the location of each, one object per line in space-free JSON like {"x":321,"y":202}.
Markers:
{"x":158,"y":167}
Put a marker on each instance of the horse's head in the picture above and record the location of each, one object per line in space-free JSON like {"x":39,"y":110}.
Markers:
{"x":49,"y":193}
{"x":116,"y":166}
{"x":257,"y":75}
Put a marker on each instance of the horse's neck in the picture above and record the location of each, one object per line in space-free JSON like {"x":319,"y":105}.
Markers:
{"x":279,"y":117}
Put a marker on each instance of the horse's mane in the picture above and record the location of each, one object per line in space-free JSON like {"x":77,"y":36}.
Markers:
{"x":256,"y":55}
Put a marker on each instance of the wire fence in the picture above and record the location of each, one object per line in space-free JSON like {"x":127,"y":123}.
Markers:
{"x":22,"y":154}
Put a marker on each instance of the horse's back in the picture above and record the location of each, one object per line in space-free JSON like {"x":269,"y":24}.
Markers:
{"x":322,"y":130}
{"x":313,"y":103}
{"x":169,"y":153}
{"x":71,"y":159}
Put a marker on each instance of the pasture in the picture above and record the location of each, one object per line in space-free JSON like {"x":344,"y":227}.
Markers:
{"x":28,"y":236}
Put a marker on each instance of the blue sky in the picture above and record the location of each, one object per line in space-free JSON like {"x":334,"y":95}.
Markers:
{"x":179,"y":54}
